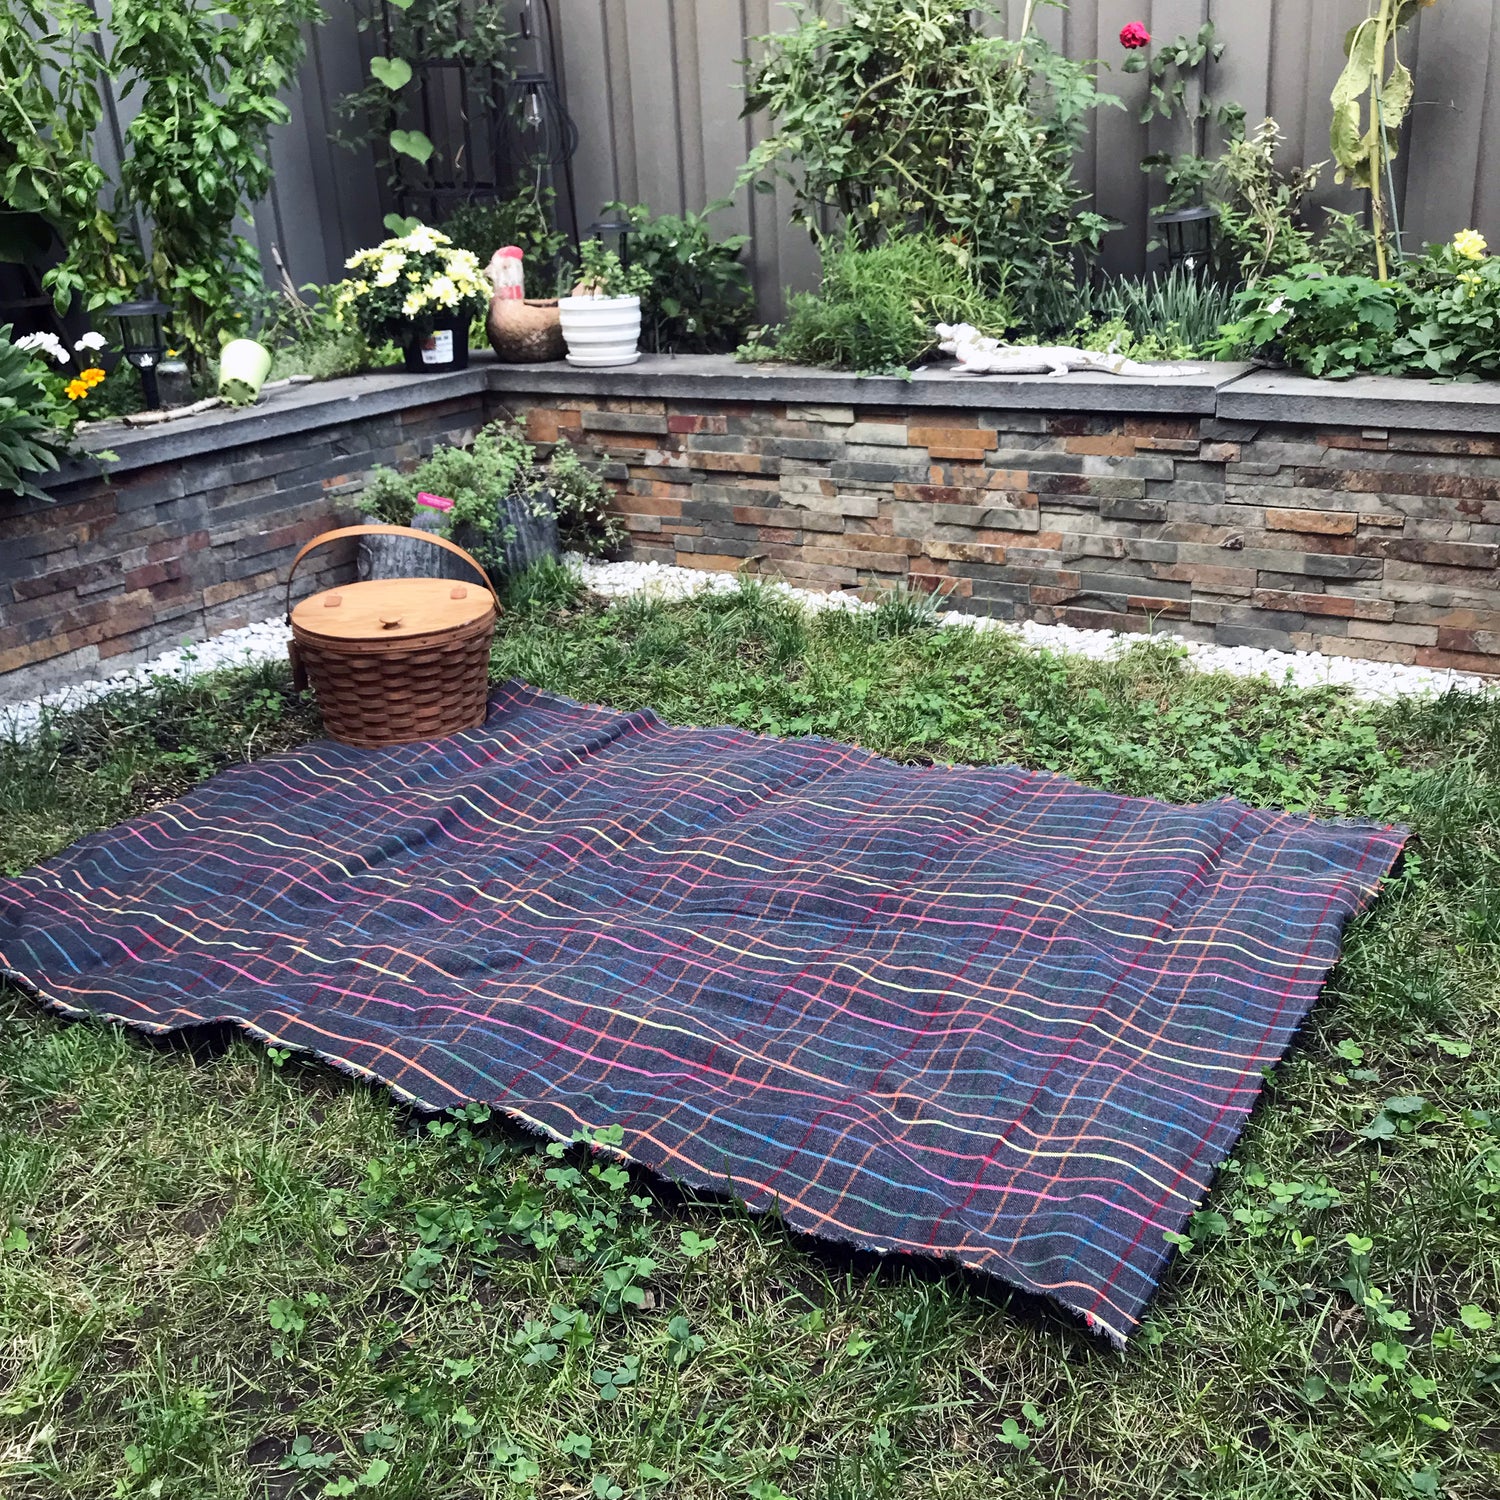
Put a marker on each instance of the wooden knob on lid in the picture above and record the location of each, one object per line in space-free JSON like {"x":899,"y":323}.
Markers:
{"x":332,"y":601}
{"x":459,"y":593}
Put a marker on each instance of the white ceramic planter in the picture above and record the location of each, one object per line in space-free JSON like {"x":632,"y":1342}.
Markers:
{"x":601,"y":330}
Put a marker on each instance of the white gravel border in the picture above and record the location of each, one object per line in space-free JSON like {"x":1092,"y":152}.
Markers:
{"x":1368,"y":681}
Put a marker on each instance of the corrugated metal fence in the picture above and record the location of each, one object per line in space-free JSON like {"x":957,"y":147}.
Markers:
{"x":655,"y":88}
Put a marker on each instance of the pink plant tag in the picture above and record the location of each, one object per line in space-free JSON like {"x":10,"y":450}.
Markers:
{"x":434,"y":502}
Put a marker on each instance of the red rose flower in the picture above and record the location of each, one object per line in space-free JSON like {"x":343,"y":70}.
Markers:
{"x":1134,"y":36}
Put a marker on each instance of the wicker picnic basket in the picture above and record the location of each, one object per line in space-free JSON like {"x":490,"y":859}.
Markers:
{"x":393,"y":660}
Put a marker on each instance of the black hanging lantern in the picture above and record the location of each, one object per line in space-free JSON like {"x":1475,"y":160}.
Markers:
{"x":538,"y":129}
{"x":1188,"y":234}
{"x":142,"y":341}
{"x":618,"y":230}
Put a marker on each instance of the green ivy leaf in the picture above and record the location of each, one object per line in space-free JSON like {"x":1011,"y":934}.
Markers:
{"x":412,"y":143}
{"x":393,"y":72}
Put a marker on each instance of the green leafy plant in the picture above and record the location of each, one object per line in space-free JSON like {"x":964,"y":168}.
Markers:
{"x":1260,"y":204}
{"x":52,"y":82}
{"x":1325,"y":325}
{"x":1440,"y":317}
{"x":877,"y":307}
{"x":1370,"y":101}
{"x":601,"y":273}
{"x":526,"y":219}
{"x":205,"y":77}
{"x":901,"y":114}
{"x":585,"y":522}
{"x":699,"y":299}
{"x":31,"y":440}
{"x":404,"y":287}
{"x":1345,"y":244}
{"x":306,"y":336}
{"x":1454,"y":323}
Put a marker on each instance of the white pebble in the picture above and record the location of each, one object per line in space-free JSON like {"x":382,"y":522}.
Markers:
{"x":1369,"y":681}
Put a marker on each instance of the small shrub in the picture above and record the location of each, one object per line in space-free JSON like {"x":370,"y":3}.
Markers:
{"x":1331,"y":326}
{"x":526,"y":220}
{"x":390,"y":498}
{"x":584,"y":520}
{"x":1345,"y":245}
{"x":497,"y":467}
{"x":877,"y":307}
{"x":897,"y":114}
{"x":1454,"y":326}
{"x":699,"y":299}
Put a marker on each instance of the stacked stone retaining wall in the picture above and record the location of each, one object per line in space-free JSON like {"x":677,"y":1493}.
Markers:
{"x":1235,"y":507}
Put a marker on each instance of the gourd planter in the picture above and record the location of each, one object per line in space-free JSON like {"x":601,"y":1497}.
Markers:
{"x":445,"y":348}
{"x":601,"y":330}
{"x":528,"y":518}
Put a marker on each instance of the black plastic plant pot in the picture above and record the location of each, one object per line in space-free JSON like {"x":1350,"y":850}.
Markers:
{"x":445,"y":348}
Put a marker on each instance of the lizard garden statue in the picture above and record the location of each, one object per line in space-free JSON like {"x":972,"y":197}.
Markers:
{"x":978,"y":355}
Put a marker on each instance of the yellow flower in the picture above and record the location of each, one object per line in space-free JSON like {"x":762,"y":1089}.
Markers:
{"x":91,"y":377}
{"x":1470,"y":244}
{"x":414,"y":303}
{"x":75,"y":390}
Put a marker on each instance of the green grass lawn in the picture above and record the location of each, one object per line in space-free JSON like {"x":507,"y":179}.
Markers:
{"x":226,"y":1272}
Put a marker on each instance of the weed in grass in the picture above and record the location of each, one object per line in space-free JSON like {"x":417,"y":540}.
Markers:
{"x":224,"y":1273}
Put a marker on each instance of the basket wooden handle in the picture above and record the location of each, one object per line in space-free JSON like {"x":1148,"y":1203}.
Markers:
{"x":382,"y":530}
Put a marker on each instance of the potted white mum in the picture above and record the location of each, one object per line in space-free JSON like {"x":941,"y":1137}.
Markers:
{"x":601,"y":321}
{"x":418,"y":291}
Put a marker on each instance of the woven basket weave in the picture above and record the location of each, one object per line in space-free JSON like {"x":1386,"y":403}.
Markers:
{"x":394,"y":660}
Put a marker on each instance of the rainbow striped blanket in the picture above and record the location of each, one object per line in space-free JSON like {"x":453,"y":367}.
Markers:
{"x":982,"y":1014}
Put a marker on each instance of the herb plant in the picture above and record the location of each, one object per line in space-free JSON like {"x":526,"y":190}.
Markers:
{"x":901,"y":115}
{"x":601,"y":273}
{"x":699,"y":299}
{"x":1332,"y":326}
{"x":497,"y":470}
{"x":876,"y":309}
{"x":585,"y":522}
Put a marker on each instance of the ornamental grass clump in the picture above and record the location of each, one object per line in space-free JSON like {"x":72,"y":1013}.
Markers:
{"x":404,"y":288}
{"x":877,"y":308}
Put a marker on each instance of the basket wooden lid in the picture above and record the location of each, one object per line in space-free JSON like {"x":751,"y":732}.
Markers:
{"x":392,"y":609}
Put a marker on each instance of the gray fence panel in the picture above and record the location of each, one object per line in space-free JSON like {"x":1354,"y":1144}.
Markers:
{"x":656,"y":89}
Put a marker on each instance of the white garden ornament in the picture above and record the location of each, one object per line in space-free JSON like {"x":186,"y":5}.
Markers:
{"x":979,"y":355}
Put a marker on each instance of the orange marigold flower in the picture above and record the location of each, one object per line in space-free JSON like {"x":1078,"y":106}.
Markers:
{"x":75,"y":390}
{"x":92,"y":376}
